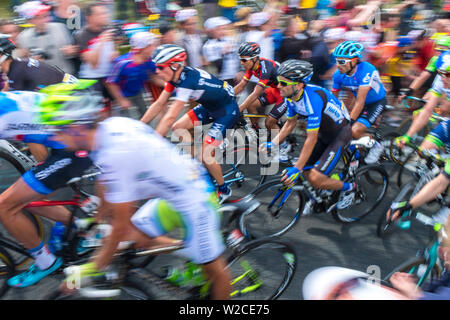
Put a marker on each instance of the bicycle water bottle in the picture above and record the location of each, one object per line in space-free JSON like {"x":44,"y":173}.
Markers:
{"x":56,"y":237}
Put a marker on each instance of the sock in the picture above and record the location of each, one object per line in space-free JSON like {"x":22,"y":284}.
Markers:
{"x":223,"y":188}
{"x":348,"y":186}
{"x":42,"y":256}
{"x":283,"y":145}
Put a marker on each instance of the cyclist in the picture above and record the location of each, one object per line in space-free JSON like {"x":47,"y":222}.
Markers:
{"x":328,"y":129}
{"x":17,"y":122}
{"x":217,"y":105}
{"x":439,"y":89}
{"x":138,"y":165}
{"x":28,"y":74}
{"x":363,"y":79}
{"x":266,"y":91}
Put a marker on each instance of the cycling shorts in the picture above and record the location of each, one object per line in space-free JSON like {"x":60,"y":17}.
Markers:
{"x":271,"y":95}
{"x":325,"y":156}
{"x":278,"y":110}
{"x":59,"y":168}
{"x":447,"y":170}
{"x":203,"y":242}
{"x":440,"y":135}
{"x":222,"y":120}
{"x":371,"y":112}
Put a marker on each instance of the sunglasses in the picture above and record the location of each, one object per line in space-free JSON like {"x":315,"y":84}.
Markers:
{"x":285,"y":83}
{"x":342,"y":62}
{"x":245,"y":59}
{"x":445,"y":74}
{"x":161,"y":67}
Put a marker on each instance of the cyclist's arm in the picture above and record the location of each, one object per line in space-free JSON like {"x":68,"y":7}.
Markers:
{"x":240,"y":86}
{"x":360,"y":101}
{"x":420,"y":80}
{"x":431,"y":190}
{"x":38,"y":151}
{"x":169,"y":118}
{"x":251,"y":98}
{"x":156,"y":107}
{"x":307,"y":149}
{"x":287,"y":128}
{"x":422,"y":119}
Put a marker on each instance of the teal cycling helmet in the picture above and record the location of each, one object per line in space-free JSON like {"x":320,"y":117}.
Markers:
{"x":443,"y":62}
{"x":349,"y":49}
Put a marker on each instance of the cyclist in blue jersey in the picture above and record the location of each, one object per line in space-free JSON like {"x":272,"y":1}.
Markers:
{"x":217,"y":105}
{"x":363,"y":80}
{"x":328,"y":130}
{"x":18,"y":122}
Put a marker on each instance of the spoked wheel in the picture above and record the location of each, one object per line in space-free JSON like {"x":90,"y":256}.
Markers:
{"x":372,"y":182}
{"x":7,"y":270}
{"x":254,"y":276}
{"x":279,"y":211}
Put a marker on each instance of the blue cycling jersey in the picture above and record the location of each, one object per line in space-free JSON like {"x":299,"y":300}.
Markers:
{"x":324,"y":112}
{"x":199,"y":85}
{"x":440,"y":135}
{"x":18,"y":119}
{"x":365,"y":75}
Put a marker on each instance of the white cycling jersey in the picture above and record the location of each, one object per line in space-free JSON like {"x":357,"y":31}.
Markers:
{"x":438,"y":89}
{"x":139,"y":164}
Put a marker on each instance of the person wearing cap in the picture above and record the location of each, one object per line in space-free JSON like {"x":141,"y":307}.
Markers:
{"x":260,"y":25}
{"x":220,"y":50}
{"x":46,"y":41}
{"x":129,"y":73}
{"x":168,"y":33}
{"x":190,"y":38}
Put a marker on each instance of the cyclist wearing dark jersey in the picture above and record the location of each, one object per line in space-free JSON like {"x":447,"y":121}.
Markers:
{"x":28,"y":74}
{"x":328,"y":128}
{"x":266,"y":91}
{"x":363,"y":80}
{"x":216,"y":99}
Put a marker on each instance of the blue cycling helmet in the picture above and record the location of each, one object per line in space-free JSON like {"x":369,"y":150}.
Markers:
{"x":349,"y":49}
{"x":443,"y":62}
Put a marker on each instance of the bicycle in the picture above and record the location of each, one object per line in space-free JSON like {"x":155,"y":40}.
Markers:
{"x":253,"y":276}
{"x":426,"y":265}
{"x":283,"y":210}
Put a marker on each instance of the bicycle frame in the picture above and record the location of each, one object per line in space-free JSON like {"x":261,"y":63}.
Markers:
{"x":25,"y":161}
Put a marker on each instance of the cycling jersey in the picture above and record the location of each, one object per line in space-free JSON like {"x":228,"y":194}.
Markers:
{"x":32,"y":75}
{"x":438,"y":89}
{"x":365,"y":75}
{"x":440,"y":136}
{"x":139,"y":164}
{"x":18,"y":121}
{"x":199,"y":85}
{"x":431,"y":67}
{"x":266,"y":73}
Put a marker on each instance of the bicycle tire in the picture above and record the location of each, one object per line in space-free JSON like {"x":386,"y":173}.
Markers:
{"x":410,"y":168}
{"x":374,"y":174}
{"x":10,"y":169}
{"x":265,"y":221}
{"x":412,"y":265}
{"x":274,"y":279}
{"x":7,"y":270}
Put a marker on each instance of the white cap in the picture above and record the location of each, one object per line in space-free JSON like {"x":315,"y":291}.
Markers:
{"x":215,"y":22}
{"x":258,"y":19}
{"x":141,"y":40}
{"x":185,"y":14}
{"x":334,"y":34}
{"x":353,"y":35}
{"x":31,"y":9}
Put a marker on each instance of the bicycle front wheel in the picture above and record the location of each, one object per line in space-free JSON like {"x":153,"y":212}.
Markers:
{"x":279,"y":211}
{"x":10,"y":171}
{"x":254,"y":276}
{"x":371,"y":185}
{"x":7,"y":270}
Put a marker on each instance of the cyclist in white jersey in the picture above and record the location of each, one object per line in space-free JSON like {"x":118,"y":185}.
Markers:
{"x":139,"y":164}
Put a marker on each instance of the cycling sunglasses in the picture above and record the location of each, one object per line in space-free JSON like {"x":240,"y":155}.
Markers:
{"x":342,"y":62}
{"x":445,"y":74}
{"x":286,"y":83}
{"x":245,"y":59}
{"x":161,"y":67}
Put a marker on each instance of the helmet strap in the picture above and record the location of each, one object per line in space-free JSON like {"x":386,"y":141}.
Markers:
{"x":351,"y":69}
{"x":255,"y":63}
{"x":175,"y":70}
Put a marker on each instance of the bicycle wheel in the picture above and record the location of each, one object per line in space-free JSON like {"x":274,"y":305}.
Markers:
{"x":279,"y":211}
{"x":396,"y":154}
{"x":7,"y":270}
{"x":372,"y":182}
{"x":387,"y":227}
{"x":254,"y":277}
{"x":417,"y":266}
{"x":413,"y":168}
{"x":10,"y":171}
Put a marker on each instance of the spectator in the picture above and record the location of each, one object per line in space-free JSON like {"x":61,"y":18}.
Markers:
{"x":221,"y":50}
{"x":129,"y":73}
{"x":68,"y":13}
{"x":295,"y":43}
{"x":209,"y":9}
{"x":307,"y":9}
{"x":241,"y":17}
{"x":10,"y":28}
{"x":168,"y":33}
{"x":190,"y":38}
{"x":47,"y":41}
{"x":227,"y":8}
{"x":320,"y":56}
{"x":332,"y":37}
{"x":96,"y":46}
{"x":260,"y":32}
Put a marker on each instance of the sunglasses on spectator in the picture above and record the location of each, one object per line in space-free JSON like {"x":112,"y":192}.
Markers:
{"x":285,"y":83}
{"x":445,"y":74}
{"x":245,"y":59}
{"x":342,"y":62}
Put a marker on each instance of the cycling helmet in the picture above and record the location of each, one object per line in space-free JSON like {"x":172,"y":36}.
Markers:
{"x":349,"y":49}
{"x":443,"y":41}
{"x":70,"y":104}
{"x":6,"y":45}
{"x":443,"y":62}
{"x":296,"y":70}
{"x":249,"y":49}
{"x":167,"y":54}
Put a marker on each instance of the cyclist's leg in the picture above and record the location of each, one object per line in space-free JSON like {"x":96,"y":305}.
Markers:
{"x":272,"y":95}
{"x":437,"y":138}
{"x":38,"y":151}
{"x":367,"y":118}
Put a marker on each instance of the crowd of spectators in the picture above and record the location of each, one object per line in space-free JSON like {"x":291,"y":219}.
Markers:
{"x":81,"y":38}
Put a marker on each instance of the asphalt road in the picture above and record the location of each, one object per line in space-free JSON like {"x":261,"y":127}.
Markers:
{"x":319,"y":241}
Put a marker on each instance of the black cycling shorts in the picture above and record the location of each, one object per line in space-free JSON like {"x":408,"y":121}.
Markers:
{"x":59,"y":168}
{"x":371,"y":113}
